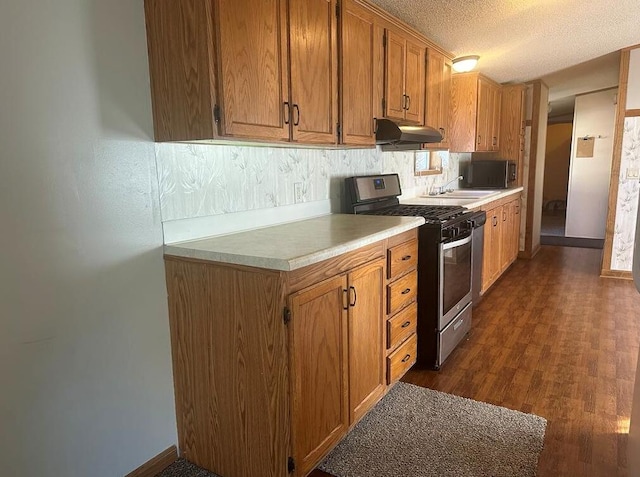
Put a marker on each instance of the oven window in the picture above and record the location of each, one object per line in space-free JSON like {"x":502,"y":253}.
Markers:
{"x":457,"y":275}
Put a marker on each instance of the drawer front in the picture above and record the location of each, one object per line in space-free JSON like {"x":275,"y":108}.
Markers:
{"x":400,"y":326}
{"x":402,"y":258}
{"x":399,"y":362}
{"x":402,"y":292}
{"x":449,"y":338}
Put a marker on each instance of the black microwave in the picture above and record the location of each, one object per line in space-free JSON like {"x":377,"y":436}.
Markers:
{"x":489,"y":174}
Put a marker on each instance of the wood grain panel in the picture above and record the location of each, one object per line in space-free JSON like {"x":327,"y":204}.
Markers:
{"x":313,"y":37}
{"x":402,"y":258}
{"x":438,"y":96}
{"x":395,"y":60}
{"x":230,"y":366}
{"x":402,"y":292}
{"x":254,"y":73}
{"x":402,"y":325}
{"x":366,"y":339}
{"x":616,"y":162}
{"x":414,"y":86}
{"x":358,"y":42}
{"x":179,"y":42}
{"x":464,"y":106}
{"x":483,"y":125}
{"x":496,"y":113}
{"x":402,"y":237}
{"x":319,"y":367}
{"x":399,"y":362}
{"x":511,"y":131}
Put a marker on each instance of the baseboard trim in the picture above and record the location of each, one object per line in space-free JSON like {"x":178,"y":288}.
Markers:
{"x":620,"y":274}
{"x":157,"y":464}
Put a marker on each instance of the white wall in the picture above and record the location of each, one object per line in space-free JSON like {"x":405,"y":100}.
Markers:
{"x":84,"y":342}
{"x":589,"y":177}
{"x":540,"y":161}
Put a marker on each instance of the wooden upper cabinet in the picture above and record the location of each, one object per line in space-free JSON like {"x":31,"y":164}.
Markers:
{"x":313,"y":37}
{"x":512,"y":125}
{"x":404,"y":75}
{"x":254,"y":76}
{"x":438,"y":96}
{"x":475,"y":113}
{"x":362,"y":55}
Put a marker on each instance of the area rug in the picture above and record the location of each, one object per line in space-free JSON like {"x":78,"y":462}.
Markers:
{"x":416,"y":432}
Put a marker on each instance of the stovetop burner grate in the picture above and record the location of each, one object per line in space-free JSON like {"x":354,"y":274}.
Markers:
{"x":432,"y":213}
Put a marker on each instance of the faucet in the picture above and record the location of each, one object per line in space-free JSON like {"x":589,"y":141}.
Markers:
{"x":443,"y":188}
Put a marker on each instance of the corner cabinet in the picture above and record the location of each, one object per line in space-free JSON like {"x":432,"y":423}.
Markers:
{"x":222,"y":68}
{"x":512,"y":128}
{"x":475,"y":113}
{"x":501,"y":238}
{"x":272,"y":368}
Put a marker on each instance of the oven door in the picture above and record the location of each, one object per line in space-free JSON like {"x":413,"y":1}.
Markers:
{"x":455,"y":278}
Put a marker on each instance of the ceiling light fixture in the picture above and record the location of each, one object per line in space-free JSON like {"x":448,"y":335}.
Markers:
{"x":465,"y":63}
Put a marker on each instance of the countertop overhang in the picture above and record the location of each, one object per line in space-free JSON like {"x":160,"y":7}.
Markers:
{"x":294,"y":245}
{"x":468,"y":203}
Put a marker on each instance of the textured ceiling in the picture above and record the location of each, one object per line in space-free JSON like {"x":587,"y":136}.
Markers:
{"x":521,"y":40}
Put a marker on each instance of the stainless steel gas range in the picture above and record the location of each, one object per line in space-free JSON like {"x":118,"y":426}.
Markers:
{"x":444,"y":262}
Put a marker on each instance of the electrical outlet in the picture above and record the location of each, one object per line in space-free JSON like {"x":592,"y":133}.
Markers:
{"x":298,"y":193}
{"x":633,"y":173}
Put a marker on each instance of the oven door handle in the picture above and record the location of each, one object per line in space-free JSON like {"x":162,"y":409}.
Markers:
{"x":457,"y":243}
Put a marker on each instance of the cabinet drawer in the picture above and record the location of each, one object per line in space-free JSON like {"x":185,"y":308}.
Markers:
{"x":402,"y":258}
{"x":402,"y":292}
{"x":402,"y":359}
{"x":400,"y":326}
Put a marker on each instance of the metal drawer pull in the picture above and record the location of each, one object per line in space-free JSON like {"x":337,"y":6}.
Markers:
{"x":287,"y":112}
{"x":405,"y":324}
{"x":296,"y":120}
{"x":406,"y":358}
{"x":345,"y":300}
{"x":406,"y":257}
{"x":457,"y":325}
{"x":355,"y":296}
{"x":406,"y":290}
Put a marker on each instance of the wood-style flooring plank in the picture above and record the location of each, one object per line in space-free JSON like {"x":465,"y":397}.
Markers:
{"x":553,"y":338}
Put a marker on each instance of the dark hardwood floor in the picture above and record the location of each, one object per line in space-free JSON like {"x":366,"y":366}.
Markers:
{"x":553,"y":338}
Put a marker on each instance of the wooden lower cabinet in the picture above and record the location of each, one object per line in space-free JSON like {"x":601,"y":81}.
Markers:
{"x":272,"y":368}
{"x":501,"y":238}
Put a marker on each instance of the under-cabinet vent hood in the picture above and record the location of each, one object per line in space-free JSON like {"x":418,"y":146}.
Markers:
{"x":393,"y":137}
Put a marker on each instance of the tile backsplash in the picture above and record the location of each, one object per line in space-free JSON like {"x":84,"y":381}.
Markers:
{"x":198,"y":180}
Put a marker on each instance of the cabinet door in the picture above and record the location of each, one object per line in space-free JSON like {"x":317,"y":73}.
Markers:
{"x":314,"y":70}
{"x":253,"y":68}
{"x":495,"y":117}
{"x":506,"y":249}
{"x":414,"y":83}
{"x":492,"y":253}
{"x":319,"y":367}
{"x":359,"y":75}
{"x":485,"y":104}
{"x":394,"y":69}
{"x":438,"y":93}
{"x":366,"y":338}
{"x":516,"y":229}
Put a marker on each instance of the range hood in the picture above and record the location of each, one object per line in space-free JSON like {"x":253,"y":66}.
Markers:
{"x":393,"y":137}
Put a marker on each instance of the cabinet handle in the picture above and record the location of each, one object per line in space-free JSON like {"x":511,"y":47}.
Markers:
{"x":495,"y":141}
{"x":405,"y":324}
{"x":345,"y":299}
{"x":408,"y":103}
{"x":404,"y":101}
{"x":406,"y":257}
{"x":286,"y":112}
{"x":504,"y":215}
{"x":406,"y":358}
{"x":479,"y":138}
{"x":405,"y":291}
{"x":296,"y":119}
{"x":355,"y":296}
{"x":517,"y":209}
{"x":495,"y":221}
{"x":375,"y":126}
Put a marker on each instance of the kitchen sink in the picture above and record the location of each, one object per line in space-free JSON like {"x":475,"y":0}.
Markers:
{"x":464,"y":194}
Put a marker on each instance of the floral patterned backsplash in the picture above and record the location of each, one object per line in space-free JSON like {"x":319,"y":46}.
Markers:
{"x":628,"y":193}
{"x":198,"y":180}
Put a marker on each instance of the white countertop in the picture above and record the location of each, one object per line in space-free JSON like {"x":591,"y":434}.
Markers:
{"x":297,"y":244}
{"x":468,"y":203}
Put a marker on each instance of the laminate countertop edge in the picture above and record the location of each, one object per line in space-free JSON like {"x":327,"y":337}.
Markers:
{"x":295,"y":245}
{"x":468,"y":203}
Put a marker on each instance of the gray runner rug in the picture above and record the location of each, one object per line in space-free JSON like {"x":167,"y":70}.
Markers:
{"x":416,"y":432}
